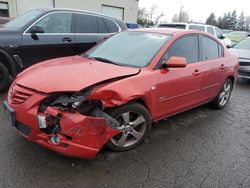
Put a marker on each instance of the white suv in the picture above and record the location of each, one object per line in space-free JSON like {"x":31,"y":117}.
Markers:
{"x":201,"y":27}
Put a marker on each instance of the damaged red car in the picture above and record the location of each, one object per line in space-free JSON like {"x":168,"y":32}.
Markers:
{"x":111,"y":95}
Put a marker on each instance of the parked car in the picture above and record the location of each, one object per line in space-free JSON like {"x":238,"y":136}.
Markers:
{"x":236,"y":36}
{"x":242,"y":49}
{"x":133,"y":26}
{"x":43,"y":34}
{"x":112,"y":93}
{"x":200,"y":27}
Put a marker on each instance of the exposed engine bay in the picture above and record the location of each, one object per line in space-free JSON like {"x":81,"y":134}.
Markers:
{"x":73,"y":103}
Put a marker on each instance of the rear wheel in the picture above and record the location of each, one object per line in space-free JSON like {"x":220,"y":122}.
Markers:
{"x":136,"y":121}
{"x":4,"y":78}
{"x":223,"y":97}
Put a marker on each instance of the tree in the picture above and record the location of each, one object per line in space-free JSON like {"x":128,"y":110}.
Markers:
{"x":223,"y":21}
{"x":232,"y":20}
{"x":247,"y":23}
{"x":158,"y":18}
{"x":241,"y":24}
{"x":211,"y":20}
{"x":146,"y":17}
{"x":182,"y":17}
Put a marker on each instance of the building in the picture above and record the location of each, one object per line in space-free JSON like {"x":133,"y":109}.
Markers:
{"x":124,"y":9}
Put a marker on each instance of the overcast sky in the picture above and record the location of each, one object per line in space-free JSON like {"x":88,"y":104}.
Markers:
{"x":198,"y":10}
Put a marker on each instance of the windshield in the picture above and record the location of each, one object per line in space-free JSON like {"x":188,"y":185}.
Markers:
{"x":243,"y":44}
{"x":22,"y":20}
{"x":135,"y":49}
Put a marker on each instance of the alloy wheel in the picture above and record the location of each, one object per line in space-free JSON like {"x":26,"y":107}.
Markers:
{"x":134,"y":128}
{"x":225,"y":93}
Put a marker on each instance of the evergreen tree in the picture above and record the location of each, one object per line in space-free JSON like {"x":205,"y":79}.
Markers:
{"x":211,"y":20}
{"x":247,"y":23}
{"x":223,"y":21}
{"x":232,"y":20}
{"x":241,"y":24}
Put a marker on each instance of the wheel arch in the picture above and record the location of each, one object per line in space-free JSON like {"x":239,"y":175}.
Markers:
{"x":232,"y":78}
{"x":8,"y":62}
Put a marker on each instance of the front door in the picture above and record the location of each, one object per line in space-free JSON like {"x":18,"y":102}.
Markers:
{"x":179,"y":88}
{"x":56,"y":41}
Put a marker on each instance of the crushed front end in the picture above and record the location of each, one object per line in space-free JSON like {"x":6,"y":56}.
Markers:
{"x":67,"y":123}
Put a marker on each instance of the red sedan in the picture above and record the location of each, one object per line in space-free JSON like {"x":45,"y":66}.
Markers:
{"x":111,"y":94}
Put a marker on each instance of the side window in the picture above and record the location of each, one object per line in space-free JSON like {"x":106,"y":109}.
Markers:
{"x":86,"y":23}
{"x":210,"y":49}
{"x":218,"y":33}
{"x":56,"y":23}
{"x":111,"y":25}
{"x":102,"y":26}
{"x":210,"y":30}
{"x":187,"y":47}
{"x":197,"y":27}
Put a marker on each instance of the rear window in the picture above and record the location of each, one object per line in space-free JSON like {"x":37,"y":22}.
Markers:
{"x":111,"y":25}
{"x":197,"y":27}
{"x":210,"y":30}
{"x":177,"y":26}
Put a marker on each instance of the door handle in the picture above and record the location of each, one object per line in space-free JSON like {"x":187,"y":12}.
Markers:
{"x":196,"y":72}
{"x":222,"y":66}
{"x":67,"y":40}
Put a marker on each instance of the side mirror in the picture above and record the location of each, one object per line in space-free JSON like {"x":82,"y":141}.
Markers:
{"x":36,"y":29}
{"x":176,"y":62}
{"x":229,"y":45}
{"x":222,"y":36}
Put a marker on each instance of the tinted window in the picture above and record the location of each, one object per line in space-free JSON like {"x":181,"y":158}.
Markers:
{"x":209,"y":49}
{"x":178,"y":26}
{"x":210,"y":30}
{"x":86,"y":23}
{"x":218,"y":33}
{"x":111,"y":25}
{"x":197,"y":27}
{"x":56,"y":23}
{"x":187,"y":47}
{"x":102,"y":26}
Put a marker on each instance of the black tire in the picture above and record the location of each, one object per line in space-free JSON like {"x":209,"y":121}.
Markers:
{"x":4,"y":78}
{"x":217,"y":102}
{"x":136,"y":113}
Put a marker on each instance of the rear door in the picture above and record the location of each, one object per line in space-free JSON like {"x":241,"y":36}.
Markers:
{"x":89,"y":30}
{"x":179,"y":88}
{"x":214,"y":67}
{"x":56,"y":41}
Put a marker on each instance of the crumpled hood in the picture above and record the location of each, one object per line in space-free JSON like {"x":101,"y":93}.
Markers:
{"x":70,"y":74}
{"x":244,"y":54}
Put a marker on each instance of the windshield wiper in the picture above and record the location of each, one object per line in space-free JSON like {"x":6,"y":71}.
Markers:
{"x":105,"y":60}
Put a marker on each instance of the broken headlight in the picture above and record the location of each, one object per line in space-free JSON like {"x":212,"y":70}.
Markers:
{"x":65,"y":101}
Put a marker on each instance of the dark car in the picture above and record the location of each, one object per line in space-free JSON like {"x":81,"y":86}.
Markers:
{"x":43,"y":34}
{"x":242,"y":49}
{"x":133,"y":26}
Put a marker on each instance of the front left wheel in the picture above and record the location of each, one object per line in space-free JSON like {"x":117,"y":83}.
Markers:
{"x":4,"y":78}
{"x":136,"y":121}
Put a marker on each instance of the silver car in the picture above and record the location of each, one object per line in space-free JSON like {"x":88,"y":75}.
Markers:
{"x":242,"y":49}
